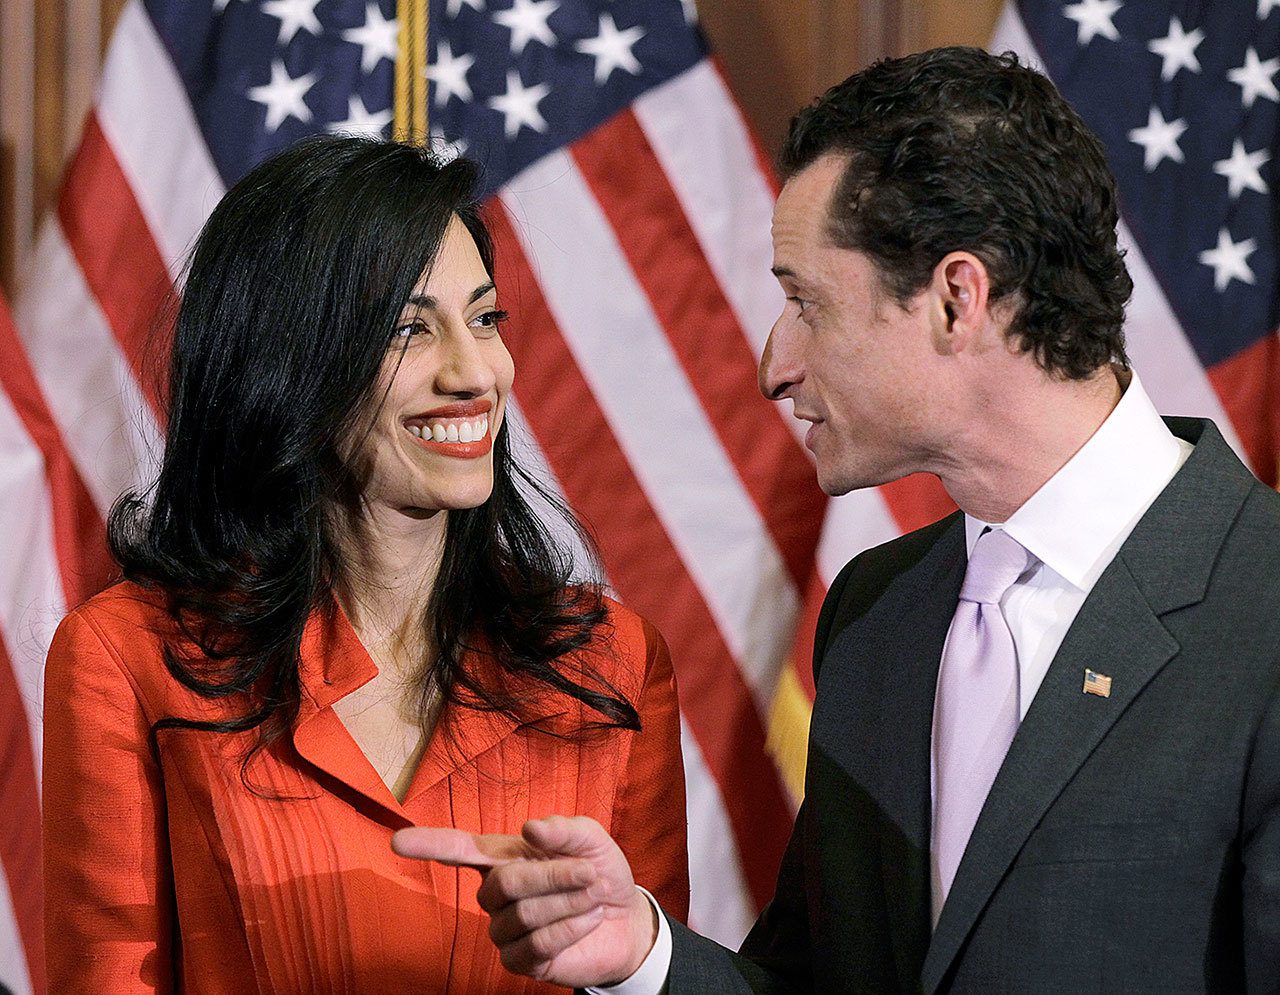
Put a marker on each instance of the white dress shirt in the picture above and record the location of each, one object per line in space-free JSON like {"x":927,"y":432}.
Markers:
{"x":1073,"y":525}
{"x":1076,"y":523}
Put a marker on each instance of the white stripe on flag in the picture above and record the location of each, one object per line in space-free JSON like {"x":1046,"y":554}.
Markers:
{"x":725,"y":197}
{"x":854,"y":522}
{"x":146,"y":118}
{"x":720,"y":902}
{"x":31,"y":597}
{"x":1171,"y":371}
{"x":528,"y":454}
{"x":109,"y":432}
{"x":653,"y":411}
{"x":1158,"y":348}
{"x":727,"y":200}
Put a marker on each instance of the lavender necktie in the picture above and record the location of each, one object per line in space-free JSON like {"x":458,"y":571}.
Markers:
{"x":976,"y":711}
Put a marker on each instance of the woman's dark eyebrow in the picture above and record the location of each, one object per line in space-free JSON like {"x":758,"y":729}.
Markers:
{"x":427,"y":301}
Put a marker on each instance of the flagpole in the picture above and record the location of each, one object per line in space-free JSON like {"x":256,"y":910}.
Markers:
{"x":411,"y":72}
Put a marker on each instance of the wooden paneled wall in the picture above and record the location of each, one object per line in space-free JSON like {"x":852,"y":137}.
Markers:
{"x":780,"y":54}
{"x":777,"y":54}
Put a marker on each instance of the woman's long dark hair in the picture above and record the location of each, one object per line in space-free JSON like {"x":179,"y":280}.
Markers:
{"x":290,"y":302}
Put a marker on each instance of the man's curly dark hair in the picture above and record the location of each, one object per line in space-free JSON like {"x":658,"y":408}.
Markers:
{"x":956,"y":149}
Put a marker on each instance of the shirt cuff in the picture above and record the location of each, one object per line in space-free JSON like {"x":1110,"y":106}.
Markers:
{"x":651,"y":976}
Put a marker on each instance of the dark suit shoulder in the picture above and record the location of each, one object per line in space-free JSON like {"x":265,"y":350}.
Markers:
{"x":1259,"y":521}
{"x":865,"y":579}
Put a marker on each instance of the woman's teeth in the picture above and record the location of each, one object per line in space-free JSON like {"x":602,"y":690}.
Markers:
{"x":452,"y":429}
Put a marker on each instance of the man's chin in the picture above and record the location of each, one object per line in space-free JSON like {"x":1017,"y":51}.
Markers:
{"x":838,"y":483}
{"x":838,"y":486}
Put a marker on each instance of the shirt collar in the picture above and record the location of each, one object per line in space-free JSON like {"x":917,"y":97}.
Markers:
{"x":1075,"y":522}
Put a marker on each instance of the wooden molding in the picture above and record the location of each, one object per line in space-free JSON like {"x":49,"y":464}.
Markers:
{"x":48,"y":129}
{"x":8,"y":243}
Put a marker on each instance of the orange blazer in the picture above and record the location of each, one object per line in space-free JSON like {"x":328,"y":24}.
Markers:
{"x":163,"y":872}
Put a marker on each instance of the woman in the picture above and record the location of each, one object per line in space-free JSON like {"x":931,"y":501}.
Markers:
{"x":339,"y":618}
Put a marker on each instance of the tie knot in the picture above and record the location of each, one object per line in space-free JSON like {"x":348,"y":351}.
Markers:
{"x":996,"y":562}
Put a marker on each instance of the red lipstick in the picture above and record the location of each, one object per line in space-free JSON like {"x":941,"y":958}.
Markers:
{"x":449,"y":418}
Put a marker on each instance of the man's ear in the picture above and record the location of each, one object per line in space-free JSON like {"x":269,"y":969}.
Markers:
{"x":961,"y":286}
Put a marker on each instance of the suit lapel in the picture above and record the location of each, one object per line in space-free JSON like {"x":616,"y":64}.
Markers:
{"x":1117,"y":633}
{"x":1163,"y":565}
{"x":907,"y":651}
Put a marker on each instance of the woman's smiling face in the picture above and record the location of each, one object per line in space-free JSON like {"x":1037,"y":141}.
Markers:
{"x":442,"y":391}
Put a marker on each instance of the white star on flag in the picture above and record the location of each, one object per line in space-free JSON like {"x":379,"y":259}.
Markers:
{"x":527,"y":20}
{"x":1254,"y":78}
{"x":293,"y":15}
{"x":455,"y":6}
{"x":1241,"y":170}
{"x":1229,"y":260}
{"x":220,"y":5}
{"x":519,"y":105}
{"x":611,"y":49}
{"x":691,"y":12}
{"x":445,"y":149}
{"x":283,"y":96}
{"x":449,"y":74}
{"x":1177,"y":49}
{"x":1265,"y":7}
{"x":377,"y":37}
{"x":359,"y":121}
{"x":1093,"y":18}
{"x":1159,"y":139}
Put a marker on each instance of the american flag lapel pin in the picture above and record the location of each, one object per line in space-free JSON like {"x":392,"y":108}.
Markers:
{"x":1096,"y":683}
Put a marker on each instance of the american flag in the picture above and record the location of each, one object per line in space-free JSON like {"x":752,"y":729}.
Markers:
{"x":631,"y":208}
{"x":1185,"y":101}
{"x":1096,"y":683}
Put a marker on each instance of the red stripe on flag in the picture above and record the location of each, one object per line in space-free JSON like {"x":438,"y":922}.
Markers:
{"x":806,"y":630}
{"x":79,"y":539}
{"x":1248,"y":385}
{"x":20,"y":828}
{"x":643,"y":564}
{"x":122,"y":266}
{"x":917,"y":501}
{"x":644,"y":210}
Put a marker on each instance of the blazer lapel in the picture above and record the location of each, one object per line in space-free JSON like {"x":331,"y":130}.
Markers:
{"x":333,"y":663}
{"x":463,"y":735}
{"x":1164,"y":565}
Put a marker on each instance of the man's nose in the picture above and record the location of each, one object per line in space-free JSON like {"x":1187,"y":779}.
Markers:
{"x":779,"y":368}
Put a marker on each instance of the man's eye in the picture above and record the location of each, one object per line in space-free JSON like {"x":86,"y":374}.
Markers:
{"x":801,"y":304}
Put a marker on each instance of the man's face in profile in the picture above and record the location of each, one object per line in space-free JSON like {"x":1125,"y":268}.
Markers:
{"x":854,"y":362}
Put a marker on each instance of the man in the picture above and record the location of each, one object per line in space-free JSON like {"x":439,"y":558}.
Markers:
{"x":1045,"y":748}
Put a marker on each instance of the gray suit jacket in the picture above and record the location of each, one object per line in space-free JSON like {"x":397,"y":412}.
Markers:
{"x":1129,"y":843}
